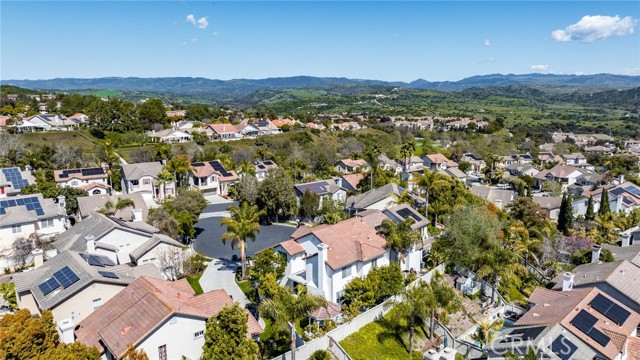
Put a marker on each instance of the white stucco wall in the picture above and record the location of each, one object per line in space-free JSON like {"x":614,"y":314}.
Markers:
{"x":82,"y":302}
{"x":124,"y":241}
{"x":177,"y":333}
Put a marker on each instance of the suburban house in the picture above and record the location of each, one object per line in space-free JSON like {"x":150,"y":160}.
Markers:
{"x":617,"y":279}
{"x":265,"y":127}
{"x":120,"y":241}
{"x":107,"y":203}
{"x":245,"y":129}
{"x":499,"y":197}
{"x":211,"y":177}
{"x":581,"y":323}
{"x":263,"y":168}
{"x":350,"y":182}
{"x":324,"y":188}
{"x":46,"y":122}
{"x":435,"y":162}
{"x":549,"y":157}
{"x":388,"y":164}
{"x":74,"y":284}
{"x":564,"y":174}
{"x":315,"y":126}
{"x":95,"y":180}
{"x":515,"y":159}
{"x":344,"y":126}
{"x":169,"y":136}
{"x":79,"y":118}
{"x":590,"y":179}
{"x":13,"y":179}
{"x":477,"y":163}
{"x":599,"y":149}
{"x":348,"y":166}
{"x":280,"y":122}
{"x":575,"y":159}
{"x":144,"y":178}
{"x":165,"y":319}
{"x":622,"y":198}
{"x":224,"y":131}
{"x":25,"y":216}
{"x":517,"y":169}
{"x":325,"y":258}
{"x":379,"y":199}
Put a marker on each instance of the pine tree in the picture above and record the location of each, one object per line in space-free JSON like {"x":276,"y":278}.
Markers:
{"x":590,"y":215}
{"x":565,"y":217}
{"x":569,"y":213}
{"x":226,"y":336}
{"x":604,"y":204}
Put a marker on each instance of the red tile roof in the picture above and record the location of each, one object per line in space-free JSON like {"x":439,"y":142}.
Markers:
{"x":439,"y":159}
{"x":223,"y":128}
{"x":353,"y":179}
{"x":327,"y":312}
{"x":142,"y":307}
{"x":291,"y":247}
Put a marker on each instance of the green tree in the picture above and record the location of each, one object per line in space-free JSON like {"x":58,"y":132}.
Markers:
{"x":414,"y":304}
{"x":226,"y":336}
{"x":406,"y":151}
{"x":243,"y":225}
{"x":554,"y":188}
{"x":287,"y":308}
{"x":268,"y":262}
{"x":565,"y":217}
{"x":309,"y":204}
{"x":604,"y":209}
{"x":151,"y":112}
{"x":276,"y":195}
{"x":245,"y":190}
{"x":179,"y":166}
{"x":8,"y":293}
{"x":371,"y":155}
{"x":399,"y":236}
{"x":486,"y":331}
{"x":446,"y":301}
{"x":590,"y":215}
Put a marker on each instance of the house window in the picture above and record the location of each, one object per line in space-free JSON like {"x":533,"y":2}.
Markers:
{"x":146,"y":182}
{"x":162,"y":352}
{"x":97,"y":303}
{"x":46,"y":223}
{"x":346,"y":271}
{"x":198,"y":334}
{"x":135,"y":182}
{"x":16,"y":229}
{"x":374,"y":262}
{"x":96,"y":192}
{"x":74,"y":183}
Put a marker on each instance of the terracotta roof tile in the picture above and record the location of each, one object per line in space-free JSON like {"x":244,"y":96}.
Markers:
{"x":291,"y":247}
{"x":329,"y":311}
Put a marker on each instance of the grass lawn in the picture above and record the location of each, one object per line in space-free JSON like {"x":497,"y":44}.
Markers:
{"x":194,"y":281}
{"x":245,"y":286}
{"x":378,"y":340}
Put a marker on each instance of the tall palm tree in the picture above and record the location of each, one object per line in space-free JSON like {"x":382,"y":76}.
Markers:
{"x":412,"y":305}
{"x":399,"y":236}
{"x":247,"y":168}
{"x":406,"y":150}
{"x":486,"y":331}
{"x":287,"y":308}
{"x":262,"y":152}
{"x":179,"y":165}
{"x":496,"y":264}
{"x":371,"y":156}
{"x":242,"y":225}
{"x":164,"y":177}
{"x":446,"y":301}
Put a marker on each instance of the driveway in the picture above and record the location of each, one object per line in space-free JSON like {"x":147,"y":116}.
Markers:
{"x":220,"y":274}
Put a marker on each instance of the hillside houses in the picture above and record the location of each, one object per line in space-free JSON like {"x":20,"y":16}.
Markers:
{"x":94,"y":181}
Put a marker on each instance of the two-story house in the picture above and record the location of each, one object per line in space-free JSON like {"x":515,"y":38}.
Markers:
{"x":324,"y":189}
{"x":477,"y":163}
{"x":13,"y":179}
{"x":144,"y":178}
{"x":26,"y":215}
{"x":263,"y":168}
{"x":211,"y":177}
{"x":435,"y":162}
{"x":74,"y":284}
{"x":379,"y":199}
{"x":348,"y":166}
{"x":94,"y":181}
{"x":224,"y":131}
{"x":578,"y":160}
{"x":564,"y":174}
{"x":166,"y":320}
{"x":325,"y":258}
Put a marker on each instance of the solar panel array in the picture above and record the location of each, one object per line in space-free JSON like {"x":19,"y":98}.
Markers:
{"x":14,"y":176}
{"x":48,"y":286}
{"x":633,"y":189}
{"x":563,"y":347}
{"x":32,"y":204}
{"x":523,"y":334}
{"x":66,"y":173}
{"x":219,"y":168}
{"x":585,"y":322}
{"x":611,"y":310}
{"x":66,"y":277}
{"x":97,"y":260}
{"x":93,"y":171}
{"x":406,"y":213}
{"x":108,"y":274}
{"x":316,"y":187}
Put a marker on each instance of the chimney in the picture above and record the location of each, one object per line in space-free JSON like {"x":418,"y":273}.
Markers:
{"x":136,"y":214}
{"x":38,"y":257}
{"x":626,"y":239}
{"x":621,"y":178}
{"x":567,"y":281}
{"x":91,"y":244}
{"x":323,"y":255}
{"x":65,"y":328}
{"x":62,"y":202}
{"x":595,"y":253}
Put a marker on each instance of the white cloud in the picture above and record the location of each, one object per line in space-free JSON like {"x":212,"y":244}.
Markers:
{"x":215,"y":33}
{"x":487,"y":42}
{"x":629,"y":71}
{"x":540,"y":67}
{"x":598,"y":27}
{"x":201,"y":23}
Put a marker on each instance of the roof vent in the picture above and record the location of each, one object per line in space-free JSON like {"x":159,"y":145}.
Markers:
{"x":125,"y":330}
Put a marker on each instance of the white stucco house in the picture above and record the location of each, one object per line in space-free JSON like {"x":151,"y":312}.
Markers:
{"x":211,"y":177}
{"x":94,"y":181}
{"x":144,"y":178}
{"x":325,"y":189}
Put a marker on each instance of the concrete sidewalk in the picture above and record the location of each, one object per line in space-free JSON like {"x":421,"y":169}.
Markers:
{"x":220,"y":274}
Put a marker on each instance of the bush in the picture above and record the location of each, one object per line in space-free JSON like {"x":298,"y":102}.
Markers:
{"x":416,"y":355}
{"x":320,"y":355}
{"x":584,"y":256}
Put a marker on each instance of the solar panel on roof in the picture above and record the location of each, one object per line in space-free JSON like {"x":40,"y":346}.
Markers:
{"x":617,"y":191}
{"x":12,"y":203}
{"x":66,"y":277}
{"x":563,"y":347}
{"x":599,"y":337}
{"x":585,"y":322}
{"x":108,"y":274}
{"x":218,"y":167}
{"x":48,"y":286}
{"x":92,"y":171}
{"x":39,"y":212}
{"x":406,"y":213}
{"x":2,"y":211}
{"x":611,"y":310}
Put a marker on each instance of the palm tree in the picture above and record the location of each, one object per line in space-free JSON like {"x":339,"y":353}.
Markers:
{"x":486,"y":331}
{"x":399,"y":236}
{"x":242,"y":225}
{"x":498,"y":263}
{"x":164,"y":178}
{"x":287,"y":308}
{"x":262,"y":152}
{"x":404,"y":198}
{"x":446,"y":301}
{"x":412,"y":305}
{"x":247,"y":168}
{"x":371,"y":156}
{"x":179,"y":165}
{"x":406,"y":150}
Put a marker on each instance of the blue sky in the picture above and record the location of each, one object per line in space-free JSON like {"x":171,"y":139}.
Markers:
{"x":369,"y":40}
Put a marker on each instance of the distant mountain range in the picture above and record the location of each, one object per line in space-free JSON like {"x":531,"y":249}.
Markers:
{"x":242,"y":87}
